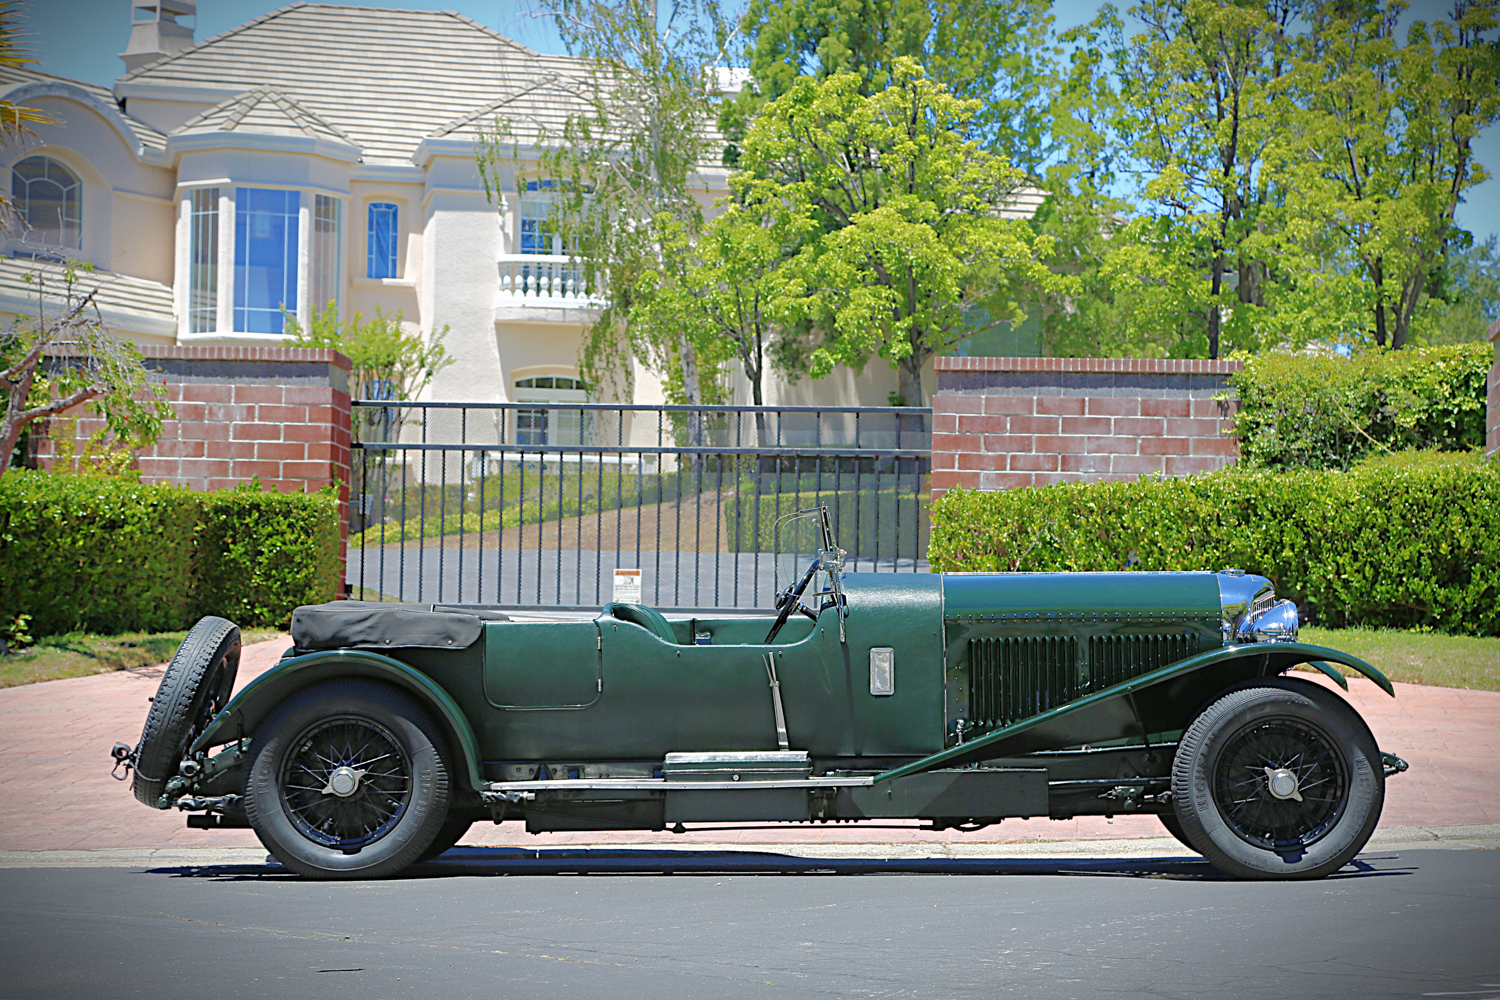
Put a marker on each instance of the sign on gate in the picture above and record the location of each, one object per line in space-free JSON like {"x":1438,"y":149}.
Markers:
{"x":627,"y":586}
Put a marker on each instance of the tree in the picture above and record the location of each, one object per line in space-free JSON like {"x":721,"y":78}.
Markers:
{"x":727,"y":289}
{"x":992,"y":51}
{"x":620,"y":169}
{"x":1382,"y":151}
{"x":388,"y":363}
{"x":1202,"y":96}
{"x":90,"y":365}
{"x":908,"y":231}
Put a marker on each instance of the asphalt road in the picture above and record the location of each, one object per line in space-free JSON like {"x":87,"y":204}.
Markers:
{"x":1402,"y":923}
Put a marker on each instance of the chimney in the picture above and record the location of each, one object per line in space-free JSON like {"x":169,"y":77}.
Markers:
{"x":155,"y":33}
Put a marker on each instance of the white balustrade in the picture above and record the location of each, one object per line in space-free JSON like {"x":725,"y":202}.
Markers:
{"x":544,"y":280}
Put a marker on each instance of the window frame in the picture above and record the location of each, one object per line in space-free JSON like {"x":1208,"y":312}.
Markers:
{"x":393,"y":257}
{"x":76,"y":188}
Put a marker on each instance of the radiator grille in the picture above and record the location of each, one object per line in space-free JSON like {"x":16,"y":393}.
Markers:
{"x":1015,"y":677}
{"x":1114,"y":659}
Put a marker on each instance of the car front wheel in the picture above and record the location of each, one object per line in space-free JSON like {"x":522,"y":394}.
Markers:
{"x":347,"y":779}
{"x":1278,"y":780}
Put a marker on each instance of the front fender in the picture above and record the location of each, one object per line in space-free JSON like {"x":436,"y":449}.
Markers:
{"x":1105,"y":715}
{"x":250,"y":707}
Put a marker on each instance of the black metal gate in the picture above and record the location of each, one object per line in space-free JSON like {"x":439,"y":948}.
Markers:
{"x":536,"y":505}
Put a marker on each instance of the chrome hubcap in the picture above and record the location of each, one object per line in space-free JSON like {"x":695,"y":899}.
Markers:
{"x":1282,"y":784}
{"x":344,"y":782}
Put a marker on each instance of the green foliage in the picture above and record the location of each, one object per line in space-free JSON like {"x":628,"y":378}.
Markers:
{"x":907,"y":229}
{"x":1465,"y":295}
{"x":65,"y":356}
{"x":992,"y":51}
{"x":1321,"y":412}
{"x":260,"y":555}
{"x":110,"y":554}
{"x":389,"y":362}
{"x":1297,"y":166}
{"x":1410,"y":540}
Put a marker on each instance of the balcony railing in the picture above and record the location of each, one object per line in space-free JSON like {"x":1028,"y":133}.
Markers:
{"x":545,"y":280}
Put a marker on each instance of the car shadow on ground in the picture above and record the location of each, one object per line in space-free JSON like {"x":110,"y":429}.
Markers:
{"x":491,"y":862}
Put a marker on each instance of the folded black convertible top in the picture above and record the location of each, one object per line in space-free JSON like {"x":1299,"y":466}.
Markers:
{"x":355,"y":624}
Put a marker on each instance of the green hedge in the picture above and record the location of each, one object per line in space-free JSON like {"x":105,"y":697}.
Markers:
{"x":1407,"y":540}
{"x":110,"y":554}
{"x":1312,"y":412}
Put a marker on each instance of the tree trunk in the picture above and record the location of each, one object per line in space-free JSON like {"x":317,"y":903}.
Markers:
{"x":1216,"y":284}
{"x":1378,"y":274}
{"x":909,"y":380}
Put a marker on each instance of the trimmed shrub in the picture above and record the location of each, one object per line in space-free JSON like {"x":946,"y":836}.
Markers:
{"x":1304,"y":412}
{"x":260,"y":555}
{"x":111,"y":554}
{"x":95,"y":553}
{"x":1403,"y":541}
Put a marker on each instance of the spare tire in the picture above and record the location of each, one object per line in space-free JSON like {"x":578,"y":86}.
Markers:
{"x":196,"y":686}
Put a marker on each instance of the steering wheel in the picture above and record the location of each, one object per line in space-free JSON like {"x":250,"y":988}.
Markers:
{"x":791,"y":600}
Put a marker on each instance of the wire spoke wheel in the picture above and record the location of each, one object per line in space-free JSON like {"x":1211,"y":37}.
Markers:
{"x":1277,"y":779}
{"x":346,"y":782}
{"x":347,"y":779}
{"x":1245,"y":784}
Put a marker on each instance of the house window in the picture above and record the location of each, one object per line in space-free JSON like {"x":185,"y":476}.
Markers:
{"x":265,"y":258}
{"x":552,"y":425}
{"x":49,"y":199}
{"x":382,"y":241}
{"x":324,"y":279}
{"x":536,"y":209}
{"x":203,"y":261}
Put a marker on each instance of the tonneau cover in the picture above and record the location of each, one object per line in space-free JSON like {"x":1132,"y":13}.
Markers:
{"x":356,"y":624}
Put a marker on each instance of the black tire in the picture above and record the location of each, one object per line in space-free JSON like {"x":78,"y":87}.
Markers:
{"x":197,"y":684}
{"x":453,"y":829}
{"x":1170,"y":821}
{"x":395,"y":805}
{"x":1222,"y":781}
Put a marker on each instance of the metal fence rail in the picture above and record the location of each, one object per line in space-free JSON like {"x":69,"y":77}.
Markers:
{"x":535,"y":505}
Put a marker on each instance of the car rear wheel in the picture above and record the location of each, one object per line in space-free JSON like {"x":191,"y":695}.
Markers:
{"x":347,"y":779}
{"x":196,"y":685}
{"x":1278,"y":780}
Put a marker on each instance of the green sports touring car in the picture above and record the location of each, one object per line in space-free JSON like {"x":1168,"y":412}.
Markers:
{"x":387,"y":730}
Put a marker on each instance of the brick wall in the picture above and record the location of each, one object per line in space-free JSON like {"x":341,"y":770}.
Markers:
{"x":1492,"y":411}
{"x":278,"y":413}
{"x":999,"y":423}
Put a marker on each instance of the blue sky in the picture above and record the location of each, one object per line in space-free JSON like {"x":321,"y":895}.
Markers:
{"x":82,"y":39}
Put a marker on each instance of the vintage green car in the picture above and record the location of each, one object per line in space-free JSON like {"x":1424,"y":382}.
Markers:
{"x":959,"y":699}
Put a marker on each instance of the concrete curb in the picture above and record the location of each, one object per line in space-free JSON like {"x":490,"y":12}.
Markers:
{"x":754,"y":856}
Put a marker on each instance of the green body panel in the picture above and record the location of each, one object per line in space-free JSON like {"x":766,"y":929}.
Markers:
{"x":1075,"y":595}
{"x":656,"y":697}
{"x":246,"y":710}
{"x":1160,"y":701}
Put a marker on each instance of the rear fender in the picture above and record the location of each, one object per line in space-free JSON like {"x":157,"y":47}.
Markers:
{"x":1110,"y":714}
{"x":250,"y":707}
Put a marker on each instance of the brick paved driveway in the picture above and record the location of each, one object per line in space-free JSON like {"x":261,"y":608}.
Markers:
{"x":56,"y":793}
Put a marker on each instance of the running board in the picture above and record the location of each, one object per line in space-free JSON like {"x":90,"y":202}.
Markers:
{"x":663,"y":785}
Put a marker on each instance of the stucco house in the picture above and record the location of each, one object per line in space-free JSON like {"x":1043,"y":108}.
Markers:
{"x":323,"y":153}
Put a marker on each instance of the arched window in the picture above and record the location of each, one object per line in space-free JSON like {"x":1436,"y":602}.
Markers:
{"x":49,"y":198}
{"x":551,"y":425}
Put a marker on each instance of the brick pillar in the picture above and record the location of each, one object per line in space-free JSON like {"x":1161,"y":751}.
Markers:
{"x":277,"y":413}
{"x":1001,"y":423}
{"x":1492,"y":410}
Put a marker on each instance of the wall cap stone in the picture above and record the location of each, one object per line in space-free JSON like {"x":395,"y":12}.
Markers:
{"x":1162,"y":366}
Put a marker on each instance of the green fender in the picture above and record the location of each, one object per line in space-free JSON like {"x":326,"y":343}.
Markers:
{"x":248,"y":708}
{"x":1280,"y":657}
